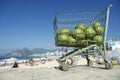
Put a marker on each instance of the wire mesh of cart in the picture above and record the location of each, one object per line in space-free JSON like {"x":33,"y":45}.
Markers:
{"x":69,"y":28}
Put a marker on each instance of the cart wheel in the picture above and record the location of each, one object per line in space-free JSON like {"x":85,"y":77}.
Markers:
{"x":64,"y":67}
{"x":108,"y":65}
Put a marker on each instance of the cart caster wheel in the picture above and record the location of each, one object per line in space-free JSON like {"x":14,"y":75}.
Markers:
{"x":108,"y":65}
{"x":64,"y":67}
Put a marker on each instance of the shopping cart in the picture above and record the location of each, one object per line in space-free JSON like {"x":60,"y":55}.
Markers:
{"x":70,"y":19}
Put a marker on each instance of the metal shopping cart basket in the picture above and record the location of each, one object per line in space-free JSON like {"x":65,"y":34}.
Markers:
{"x":84,"y":30}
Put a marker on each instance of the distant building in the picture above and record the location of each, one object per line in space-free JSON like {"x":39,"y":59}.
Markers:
{"x":114,"y":44}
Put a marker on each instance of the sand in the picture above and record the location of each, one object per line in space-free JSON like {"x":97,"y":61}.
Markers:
{"x":49,"y":72}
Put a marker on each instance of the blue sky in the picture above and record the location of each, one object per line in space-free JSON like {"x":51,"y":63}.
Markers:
{"x":29,"y":23}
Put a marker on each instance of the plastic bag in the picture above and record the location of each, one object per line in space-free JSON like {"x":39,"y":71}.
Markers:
{"x":114,"y":55}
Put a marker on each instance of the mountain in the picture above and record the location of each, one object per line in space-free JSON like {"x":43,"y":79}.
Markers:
{"x":28,"y":52}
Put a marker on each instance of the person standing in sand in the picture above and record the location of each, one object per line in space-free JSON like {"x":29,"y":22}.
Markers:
{"x":31,"y":61}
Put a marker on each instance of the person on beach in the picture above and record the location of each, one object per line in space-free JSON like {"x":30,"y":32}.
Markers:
{"x":31,"y":61}
{"x":15,"y":65}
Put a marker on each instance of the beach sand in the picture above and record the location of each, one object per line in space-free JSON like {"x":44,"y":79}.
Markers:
{"x":48,"y":71}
